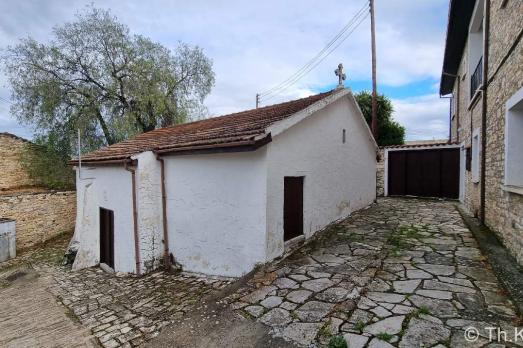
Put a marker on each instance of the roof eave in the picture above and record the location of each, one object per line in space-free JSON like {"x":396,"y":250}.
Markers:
{"x":460,"y":12}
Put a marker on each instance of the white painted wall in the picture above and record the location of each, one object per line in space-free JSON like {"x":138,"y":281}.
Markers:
{"x":107,"y":187}
{"x":149,"y":207}
{"x":216,"y":211}
{"x":339,"y":177}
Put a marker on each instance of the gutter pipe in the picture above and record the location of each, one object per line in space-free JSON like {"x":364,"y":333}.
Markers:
{"x":166,"y":257}
{"x":135,"y":216}
{"x":486,"y":34}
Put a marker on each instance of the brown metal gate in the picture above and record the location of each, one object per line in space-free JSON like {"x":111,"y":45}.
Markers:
{"x":425,"y":173}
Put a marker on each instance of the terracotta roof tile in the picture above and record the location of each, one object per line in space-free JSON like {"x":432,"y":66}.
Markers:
{"x":239,"y":128}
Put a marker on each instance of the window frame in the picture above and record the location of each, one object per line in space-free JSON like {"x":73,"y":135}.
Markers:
{"x":513,"y":155}
{"x":475,"y":165}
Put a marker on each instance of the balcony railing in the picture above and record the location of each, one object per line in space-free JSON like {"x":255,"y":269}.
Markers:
{"x":477,"y":78}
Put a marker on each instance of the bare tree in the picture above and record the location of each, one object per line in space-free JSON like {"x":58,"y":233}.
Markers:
{"x":96,"y":76}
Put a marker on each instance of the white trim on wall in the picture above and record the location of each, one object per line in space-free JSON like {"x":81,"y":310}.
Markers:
{"x":476,"y":138}
{"x":513,"y":163}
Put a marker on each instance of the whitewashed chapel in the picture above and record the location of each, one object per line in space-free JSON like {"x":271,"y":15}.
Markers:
{"x":220,"y":195}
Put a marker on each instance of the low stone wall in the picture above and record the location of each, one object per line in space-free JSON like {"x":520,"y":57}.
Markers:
{"x":13,"y":174}
{"x":380,"y":172}
{"x":39,"y":216}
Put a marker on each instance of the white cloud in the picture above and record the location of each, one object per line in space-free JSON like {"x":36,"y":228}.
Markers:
{"x":426,"y":117}
{"x":255,"y":45}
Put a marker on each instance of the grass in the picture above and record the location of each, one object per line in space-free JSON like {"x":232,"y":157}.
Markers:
{"x":338,"y":342}
{"x":399,"y":238}
{"x":359,"y":325}
{"x":384,"y":336}
{"x":325,"y":330}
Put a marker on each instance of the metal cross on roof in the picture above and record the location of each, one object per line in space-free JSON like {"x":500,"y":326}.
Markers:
{"x":341,"y":75}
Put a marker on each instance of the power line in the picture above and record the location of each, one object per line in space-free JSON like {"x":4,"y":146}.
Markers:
{"x":332,"y":45}
{"x":329,"y":44}
{"x":311,"y":65}
{"x":274,"y":94}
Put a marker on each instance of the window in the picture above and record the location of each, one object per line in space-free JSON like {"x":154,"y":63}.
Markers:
{"x":475,"y":156}
{"x":343,"y":136}
{"x":468,"y":159}
{"x":475,"y":49}
{"x":514,"y":141}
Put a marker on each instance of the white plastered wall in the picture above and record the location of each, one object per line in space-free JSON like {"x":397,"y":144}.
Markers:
{"x":104,"y":187}
{"x":149,"y":206}
{"x":216,"y":211}
{"x":339,"y":177}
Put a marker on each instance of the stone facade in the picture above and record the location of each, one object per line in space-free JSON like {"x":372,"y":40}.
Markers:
{"x":503,"y":209}
{"x":39,"y":216}
{"x":380,"y":172}
{"x":12,"y":174}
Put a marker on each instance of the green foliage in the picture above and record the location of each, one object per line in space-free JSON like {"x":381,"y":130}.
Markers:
{"x":384,"y":336}
{"x":94,"y":75}
{"x":338,"y":342}
{"x":359,"y":325}
{"x":47,"y":166}
{"x":390,"y":132}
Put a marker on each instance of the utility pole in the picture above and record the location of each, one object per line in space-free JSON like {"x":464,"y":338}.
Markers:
{"x":374,"y":124}
{"x":257,"y":100}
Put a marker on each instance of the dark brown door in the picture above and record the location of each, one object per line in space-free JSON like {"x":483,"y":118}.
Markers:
{"x":107,"y":237}
{"x":425,"y":173}
{"x":292,"y":207}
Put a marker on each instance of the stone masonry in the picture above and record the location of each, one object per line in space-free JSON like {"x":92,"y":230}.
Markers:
{"x":12,"y":174}
{"x":39,"y":216}
{"x":503,"y":209}
{"x":403,"y":273}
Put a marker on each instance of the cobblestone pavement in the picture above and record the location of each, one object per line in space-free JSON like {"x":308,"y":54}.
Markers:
{"x":403,"y":273}
{"x":120,"y":311}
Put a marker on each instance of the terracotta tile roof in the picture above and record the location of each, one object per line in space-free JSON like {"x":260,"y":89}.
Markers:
{"x":410,"y":146}
{"x":238,"y":129}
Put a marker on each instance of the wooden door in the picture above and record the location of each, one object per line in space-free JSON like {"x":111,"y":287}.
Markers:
{"x":107,"y":237}
{"x":424,"y":173}
{"x":292,"y":207}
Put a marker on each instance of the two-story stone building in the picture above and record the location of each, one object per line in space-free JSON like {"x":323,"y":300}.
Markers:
{"x":483,"y":72}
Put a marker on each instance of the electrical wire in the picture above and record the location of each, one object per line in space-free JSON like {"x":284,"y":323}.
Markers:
{"x":332,"y":45}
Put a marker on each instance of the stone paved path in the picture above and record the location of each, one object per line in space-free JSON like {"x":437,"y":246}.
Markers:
{"x":31,"y":317}
{"x":103,"y":309}
{"x":404,"y":273}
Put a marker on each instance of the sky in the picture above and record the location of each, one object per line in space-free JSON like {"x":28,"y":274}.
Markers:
{"x":257,"y":45}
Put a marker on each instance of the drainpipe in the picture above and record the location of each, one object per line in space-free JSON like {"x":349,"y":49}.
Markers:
{"x":166,"y":258}
{"x":486,"y":33}
{"x":450,"y":107}
{"x":135,"y":217}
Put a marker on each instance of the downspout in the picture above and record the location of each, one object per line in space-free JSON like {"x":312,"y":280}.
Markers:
{"x":166,"y":258}
{"x":135,"y":218}
{"x":486,"y":33}
{"x":450,"y":106}
{"x":458,"y":124}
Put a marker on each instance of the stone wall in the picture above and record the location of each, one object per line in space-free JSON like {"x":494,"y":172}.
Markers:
{"x":39,"y":216}
{"x":503,"y":209}
{"x":466,"y":118}
{"x":12,"y":175}
{"x":380,"y":172}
